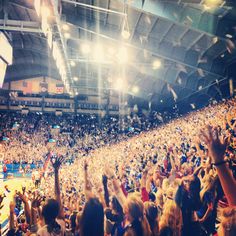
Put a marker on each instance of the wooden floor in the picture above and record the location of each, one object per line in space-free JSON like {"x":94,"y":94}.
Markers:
{"x":13,"y":185}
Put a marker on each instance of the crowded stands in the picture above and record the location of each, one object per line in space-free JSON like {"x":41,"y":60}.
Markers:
{"x":174,"y":179}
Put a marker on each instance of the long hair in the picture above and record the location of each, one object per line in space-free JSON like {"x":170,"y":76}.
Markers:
{"x":171,"y":217}
{"x":135,"y":211}
{"x":92,"y":219}
{"x":151,"y":211}
{"x":208,"y":185}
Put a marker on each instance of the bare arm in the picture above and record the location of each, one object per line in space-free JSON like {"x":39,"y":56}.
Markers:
{"x":217,"y":149}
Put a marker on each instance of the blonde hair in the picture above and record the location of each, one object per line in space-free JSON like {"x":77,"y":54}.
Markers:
{"x":208,"y":185}
{"x":171,"y":217}
{"x":228,"y":222}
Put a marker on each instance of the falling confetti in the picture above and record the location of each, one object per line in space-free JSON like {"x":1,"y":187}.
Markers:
{"x":179,"y":80}
{"x":170,"y":89}
{"x":192,"y":105}
{"x":230,"y":46}
{"x":202,"y":60}
{"x":200,"y":72}
{"x":180,"y":67}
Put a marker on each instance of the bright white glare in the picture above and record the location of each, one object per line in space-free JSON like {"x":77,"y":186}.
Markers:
{"x":45,"y":12}
{"x":65,"y":27}
{"x":120,"y":84}
{"x":75,"y":78}
{"x":210,"y":4}
{"x":72,"y":63}
{"x":122,"y":55}
{"x":156,"y":64}
{"x":135,"y":89}
{"x":111,"y":51}
{"x":98,"y":53}
{"x":125,"y":34}
{"x":85,"y":48}
{"x":67,"y":35}
{"x":37,"y":7}
{"x":161,"y":101}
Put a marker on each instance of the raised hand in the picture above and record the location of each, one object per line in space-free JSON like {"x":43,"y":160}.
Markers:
{"x":216,"y":145}
{"x":57,"y":161}
{"x":36,"y":201}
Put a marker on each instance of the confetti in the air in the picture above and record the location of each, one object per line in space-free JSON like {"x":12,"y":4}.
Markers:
{"x":230,"y":46}
{"x":200,"y":72}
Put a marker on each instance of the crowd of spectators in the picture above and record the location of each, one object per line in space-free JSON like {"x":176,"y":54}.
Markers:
{"x":174,"y":179}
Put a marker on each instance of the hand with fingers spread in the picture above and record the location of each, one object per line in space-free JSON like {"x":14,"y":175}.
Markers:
{"x":36,"y":201}
{"x":56,"y":162}
{"x":216,"y":145}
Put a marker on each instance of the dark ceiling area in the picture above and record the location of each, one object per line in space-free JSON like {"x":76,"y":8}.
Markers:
{"x":178,"y":52}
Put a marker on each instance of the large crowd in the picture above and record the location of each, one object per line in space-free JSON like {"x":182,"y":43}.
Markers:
{"x":176,"y":178}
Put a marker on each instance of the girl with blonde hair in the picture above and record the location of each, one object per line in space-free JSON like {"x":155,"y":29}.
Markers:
{"x":171,"y":218}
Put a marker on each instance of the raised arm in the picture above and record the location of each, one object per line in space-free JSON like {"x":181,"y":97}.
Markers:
{"x":87,"y":184}
{"x":106,"y":192}
{"x":56,"y":163}
{"x":217,"y":148}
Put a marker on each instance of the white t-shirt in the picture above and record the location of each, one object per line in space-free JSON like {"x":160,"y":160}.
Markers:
{"x":44,"y":231}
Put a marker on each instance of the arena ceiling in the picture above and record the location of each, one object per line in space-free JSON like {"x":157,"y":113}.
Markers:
{"x":177,"y":51}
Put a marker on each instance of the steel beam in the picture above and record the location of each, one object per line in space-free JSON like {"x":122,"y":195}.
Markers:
{"x":20,"y":26}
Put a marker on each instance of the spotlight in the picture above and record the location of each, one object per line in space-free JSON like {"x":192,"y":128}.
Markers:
{"x":85,"y":48}
{"x":120,"y":84}
{"x":135,"y":89}
{"x":98,"y":53}
{"x":67,"y":35}
{"x":65,"y":27}
{"x":122,"y":55}
{"x":75,"y":78}
{"x":125,"y":34}
{"x":111,"y":51}
{"x":45,"y":12}
{"x":72,"y":63}
{"x":156,"y":64}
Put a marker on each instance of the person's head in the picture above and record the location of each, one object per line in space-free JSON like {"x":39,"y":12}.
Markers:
{"x":92,"y":219}
{"x":115,"y":205}
{"x":50,"y":211}
{"x":171,"y":217}
{"x":151,"y":213}
{"x":227,"y":222}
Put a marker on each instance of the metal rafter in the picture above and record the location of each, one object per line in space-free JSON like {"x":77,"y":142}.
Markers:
{"x":159,"y":9}
{"x":20,"y":26}
{"x":140,"y":47}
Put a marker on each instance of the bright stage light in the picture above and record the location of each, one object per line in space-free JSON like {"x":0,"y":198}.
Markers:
{"x":98,"y":53}
{"x":111,"y":51}
{"x":156,"y":64}
{"x":120,"y":84}
{"x":122,"y":55}
{"x":85,"y":48}
{"x":45,"y":12}
{"x":75,"y":78}
{"x":211,"y":4}
{"x":65,"y":27}
{"x":67,"y":35}
{"x":125,"y":34}
{"x":135,"y":89}
{"x":72,"y":63}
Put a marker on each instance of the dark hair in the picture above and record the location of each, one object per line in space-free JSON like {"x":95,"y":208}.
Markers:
{"x":50,"y":212}
{"x":166,"y":231}
{"x":92,"y":219}
{"x":116,"y":206}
